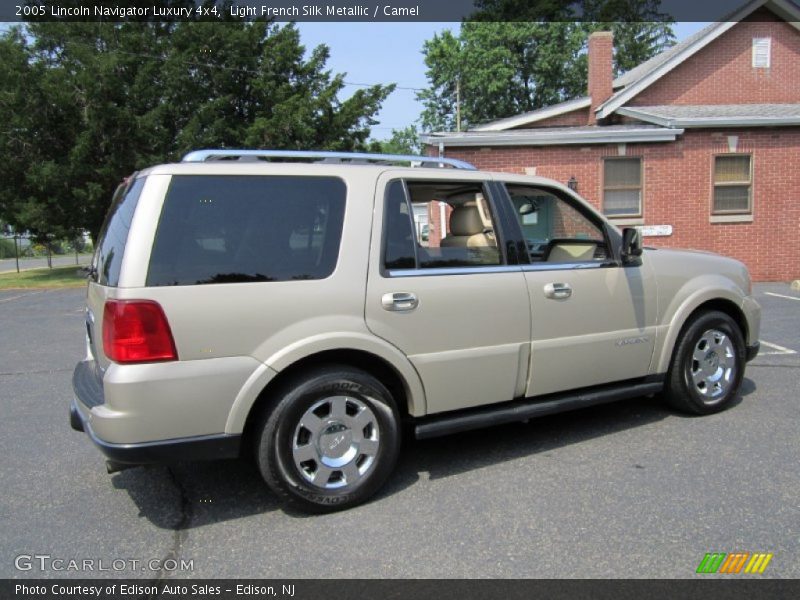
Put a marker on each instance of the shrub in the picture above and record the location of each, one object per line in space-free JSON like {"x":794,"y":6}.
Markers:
{"x":6,"y":248}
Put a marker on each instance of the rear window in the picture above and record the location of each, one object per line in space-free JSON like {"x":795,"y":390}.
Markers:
{"x":233,"y":229}
{"x":114,"y":233}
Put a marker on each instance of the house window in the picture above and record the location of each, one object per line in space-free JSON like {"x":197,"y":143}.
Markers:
{"x":733,"y":178}
{"x":761,"y":53}
{"x":622,"y":187}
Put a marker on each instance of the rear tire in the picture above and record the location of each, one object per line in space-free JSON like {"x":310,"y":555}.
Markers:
{"x":331,"y":440}
{"x":707,"y":366}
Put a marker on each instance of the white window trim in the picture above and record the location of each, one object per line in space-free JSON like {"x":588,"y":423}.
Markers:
{"x":762,"y":49}
{"x":715,"y":184}
{"x":637,"y":215}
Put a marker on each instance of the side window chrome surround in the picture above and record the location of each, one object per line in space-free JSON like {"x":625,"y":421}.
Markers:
{"x":499,"y":269}
{"x":453,"y":271}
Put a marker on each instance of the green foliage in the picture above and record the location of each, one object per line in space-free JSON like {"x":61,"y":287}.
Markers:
{"x":86,"y":104}
{"x":506,"y":68}
{"x":637,"y":42}
{"x":402,"y":141}
{"x":6,"y":248}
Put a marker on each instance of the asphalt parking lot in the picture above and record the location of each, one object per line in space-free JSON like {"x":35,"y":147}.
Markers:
{"x":623,"y":490}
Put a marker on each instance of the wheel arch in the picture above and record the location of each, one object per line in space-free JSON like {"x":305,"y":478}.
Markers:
{"x":362,"y":360}
{"x":724,"y":303}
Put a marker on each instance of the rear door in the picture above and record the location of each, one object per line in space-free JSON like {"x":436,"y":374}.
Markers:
{"x":445,"y":290}
{"x":592,"y":319}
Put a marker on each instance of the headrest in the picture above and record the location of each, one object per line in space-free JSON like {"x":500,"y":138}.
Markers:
{"x":466,"y":220}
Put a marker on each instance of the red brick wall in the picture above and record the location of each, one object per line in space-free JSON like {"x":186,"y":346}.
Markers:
{"x":722,"y":72}
{"x":678,"y":188}
{"x":435,"y":226}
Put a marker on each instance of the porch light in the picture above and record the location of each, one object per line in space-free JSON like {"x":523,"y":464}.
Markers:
{"x":573,"y":184}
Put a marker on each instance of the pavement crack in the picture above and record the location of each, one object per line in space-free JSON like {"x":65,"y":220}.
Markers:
{"x":179,"y":530}
{"x":775,"y":366}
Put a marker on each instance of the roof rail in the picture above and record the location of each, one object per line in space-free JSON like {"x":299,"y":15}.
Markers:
{"x":342,"y":157}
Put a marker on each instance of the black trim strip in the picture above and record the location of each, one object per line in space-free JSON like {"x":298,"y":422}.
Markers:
{"x":516,"y":249}
{"x":528,"y":408}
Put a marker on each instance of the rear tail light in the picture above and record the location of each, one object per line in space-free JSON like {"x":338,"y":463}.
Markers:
{"x":137,"y":331}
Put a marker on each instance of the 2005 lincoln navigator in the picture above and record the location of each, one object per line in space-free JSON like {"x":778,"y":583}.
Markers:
{"x":301,"y":306}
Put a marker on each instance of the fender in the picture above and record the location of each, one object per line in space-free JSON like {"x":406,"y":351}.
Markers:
{"x":688,"y":298}
{"x":340,"y":340}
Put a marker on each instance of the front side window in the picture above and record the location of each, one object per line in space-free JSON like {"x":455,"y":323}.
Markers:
{"x":622,"y":187}
{"x":554,"y":230}
{"x":732,"y":184}
{"x":439,"y":225}
{"x":234,"y":229}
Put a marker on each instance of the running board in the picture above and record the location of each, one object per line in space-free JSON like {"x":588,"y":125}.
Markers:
{"x":528,"y":408}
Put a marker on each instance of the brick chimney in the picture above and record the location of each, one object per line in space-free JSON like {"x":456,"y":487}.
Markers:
{"x":601,"y":70}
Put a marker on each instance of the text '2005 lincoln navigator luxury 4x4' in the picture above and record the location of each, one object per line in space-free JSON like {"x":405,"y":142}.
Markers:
{"x":301,"y":306}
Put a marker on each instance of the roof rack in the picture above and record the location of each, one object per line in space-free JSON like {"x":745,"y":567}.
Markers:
{"x":328,"y":157}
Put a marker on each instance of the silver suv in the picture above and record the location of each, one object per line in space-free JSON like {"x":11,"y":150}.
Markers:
{"x":302,"y":307}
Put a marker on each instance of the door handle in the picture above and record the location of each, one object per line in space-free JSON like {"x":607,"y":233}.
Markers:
{"x":399,"y":301}
{"x":558,"y":291}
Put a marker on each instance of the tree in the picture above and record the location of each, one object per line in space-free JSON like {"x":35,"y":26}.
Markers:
{"x":500,"y":69}
{"x":89,"y":103}
{"x":402,"y":141}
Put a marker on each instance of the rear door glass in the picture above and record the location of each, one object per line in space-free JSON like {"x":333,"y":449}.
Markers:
{"x":114,"y":234}
{"x":234,"y":229}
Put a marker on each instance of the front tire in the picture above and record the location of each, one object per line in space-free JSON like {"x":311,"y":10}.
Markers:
{"x":331,"y":440}
{"x":707,"y":366}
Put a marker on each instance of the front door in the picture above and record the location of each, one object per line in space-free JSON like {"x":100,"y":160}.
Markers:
{"x":592,"y":320}
{"x":445,"y":294}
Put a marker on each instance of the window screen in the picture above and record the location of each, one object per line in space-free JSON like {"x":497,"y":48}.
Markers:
{"x":231,"y":229}
{"x":732,"y":181}
{"x":622,"y":187}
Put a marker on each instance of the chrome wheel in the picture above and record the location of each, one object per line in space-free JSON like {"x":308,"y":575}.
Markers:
{"x":336,"y":442}
{"x":712,"y":368}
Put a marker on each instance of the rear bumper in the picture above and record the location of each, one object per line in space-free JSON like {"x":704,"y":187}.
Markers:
{"x":89,"y":394}
{"x":752,"y":351}
{"x":204,"y":447}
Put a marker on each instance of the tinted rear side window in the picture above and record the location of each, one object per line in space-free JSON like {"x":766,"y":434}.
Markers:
{"x":233,"y":229}
{"x":114,"y":234}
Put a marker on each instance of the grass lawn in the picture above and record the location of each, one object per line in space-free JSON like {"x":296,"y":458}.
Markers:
{"x":59,"y":277}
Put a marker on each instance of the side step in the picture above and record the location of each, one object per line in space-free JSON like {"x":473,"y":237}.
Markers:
{"x":528,"y":408}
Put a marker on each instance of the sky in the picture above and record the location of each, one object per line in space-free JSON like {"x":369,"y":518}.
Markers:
{"x":391,"y":53}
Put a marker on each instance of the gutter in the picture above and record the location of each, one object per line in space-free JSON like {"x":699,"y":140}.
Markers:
{"x":560,"y":138}
{"x":695,"y":122}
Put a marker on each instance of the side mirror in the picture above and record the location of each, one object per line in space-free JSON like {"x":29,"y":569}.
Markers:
{"x":631,"y":246}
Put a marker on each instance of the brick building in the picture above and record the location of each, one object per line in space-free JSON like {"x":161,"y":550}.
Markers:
{"x":699,"y":146}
